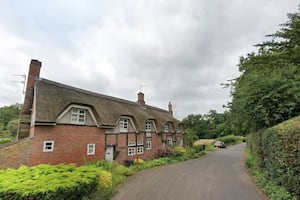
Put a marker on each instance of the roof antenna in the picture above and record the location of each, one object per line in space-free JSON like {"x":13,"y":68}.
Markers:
{"x":143,"y":85}
{"x":23,"y":76}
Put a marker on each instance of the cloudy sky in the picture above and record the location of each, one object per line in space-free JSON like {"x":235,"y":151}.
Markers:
{"x":172,"y":50}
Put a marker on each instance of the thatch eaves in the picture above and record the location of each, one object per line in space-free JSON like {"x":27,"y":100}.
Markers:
{"x":52,"y":98}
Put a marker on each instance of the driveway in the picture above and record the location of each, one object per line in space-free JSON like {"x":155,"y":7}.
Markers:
{"x":220,"y":175}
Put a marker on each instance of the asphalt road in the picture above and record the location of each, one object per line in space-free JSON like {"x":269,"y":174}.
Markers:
{"x":220,"y":175}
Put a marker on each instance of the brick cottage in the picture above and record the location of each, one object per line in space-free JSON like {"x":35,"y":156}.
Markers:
{"x":71,"y":125}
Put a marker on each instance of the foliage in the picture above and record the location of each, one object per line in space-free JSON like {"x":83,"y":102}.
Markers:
{"x":164,"y":151}
{"x":138,"y":161}
{"x":5,"y":140}
{"x":9,"y":116}
{"x":273,"y":191}
{"x":231,"y":139}
{"x":277,"y":152}
{"x":178,"y":151}
{"x":189,"y":137}
{"x":48,"y":182}
{"x":266,"y":92}
{"x":209,"y":125}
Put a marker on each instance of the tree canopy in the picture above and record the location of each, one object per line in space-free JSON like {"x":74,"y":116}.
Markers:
{"x":268,"y":90}
{"x":9,"y":120}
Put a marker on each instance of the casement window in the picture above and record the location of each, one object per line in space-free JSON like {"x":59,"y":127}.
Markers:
{"x":91,"y":149}
{"x":123,"y":125}
{"x":148,"y":144}
{"x":131,"y":151}
{"x":166,"y":128}
{"x":169,"y":141}
{"x":48,"y":146}
{"x":179,"y":129}
{"x":148,"y":126}
{"x":140,"y":150}
{"x":131,"y":143}
{"x":140,"y":143}
{"x":78,"y":116}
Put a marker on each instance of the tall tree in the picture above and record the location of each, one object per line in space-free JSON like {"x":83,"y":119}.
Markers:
{"x":267,"y":91}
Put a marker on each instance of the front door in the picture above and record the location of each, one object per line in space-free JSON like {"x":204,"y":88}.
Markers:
{"x":109,"y":153}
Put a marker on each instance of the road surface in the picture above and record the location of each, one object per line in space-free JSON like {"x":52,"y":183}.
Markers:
{"x":220,"y":175}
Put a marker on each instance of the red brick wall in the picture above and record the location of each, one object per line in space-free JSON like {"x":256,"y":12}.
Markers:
{"x":15,"y":154}
{"x":122,"y":146}
{"x":70,"y":144}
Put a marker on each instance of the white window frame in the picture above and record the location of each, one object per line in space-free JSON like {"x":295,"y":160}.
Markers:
{"x":48,"y":146}
{"x":148,"y":134}
{"x":140,"y":150}
{"x":179,"y":129}
{"x":167,"y":128}
{"x":131,"y":143}
{"x":78,"y":116}
{"x":169,"y":141}
{"x":148,"y":144}
{"x":90,"y":150}
{"x":140,"y":143}
{"x":131,"y":151}
{"x":148,"y":126}
{"x":123,"y":124}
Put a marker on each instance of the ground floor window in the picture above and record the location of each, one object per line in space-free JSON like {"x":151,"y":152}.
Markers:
{"x":169,"y":141}
{"x":48,"y":146}
{"x":91,"y":149}
{"x":148,"y":144}
{"x":131,"y":151}
{"x":140,"y":150}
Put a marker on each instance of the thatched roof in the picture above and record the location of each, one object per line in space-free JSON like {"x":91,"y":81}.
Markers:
{"x":52,"y":98}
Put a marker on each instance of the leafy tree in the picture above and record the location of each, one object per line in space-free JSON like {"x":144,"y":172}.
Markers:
{"x":190,"y":137}
{"x":9,"y":116}
{"x":267,"y":91}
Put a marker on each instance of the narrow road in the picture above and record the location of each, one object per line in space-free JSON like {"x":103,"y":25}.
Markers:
{"x":220,"y":175}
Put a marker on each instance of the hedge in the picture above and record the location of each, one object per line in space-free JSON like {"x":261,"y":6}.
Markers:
{"x":51,"y":182}
{"x":277,"y":150}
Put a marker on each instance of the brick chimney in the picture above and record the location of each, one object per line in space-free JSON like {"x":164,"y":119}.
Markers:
{"x":141,"y":100}
{"x":25,"y":115}
{"x":170,"y":107}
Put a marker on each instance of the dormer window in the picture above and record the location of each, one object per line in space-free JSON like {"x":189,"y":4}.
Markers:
{"x":123,"y":125}
{"x":148,"y":126}
{"x":179,"y":129}
{"x":78,"y":116}
{"x":166,"y":128}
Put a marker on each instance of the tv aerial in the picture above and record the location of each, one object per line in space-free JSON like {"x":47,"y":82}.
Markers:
{"x":22,"y":81}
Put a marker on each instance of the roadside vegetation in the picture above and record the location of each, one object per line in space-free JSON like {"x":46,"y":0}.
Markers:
{"x":96,"y":180}
{"x":273,"y":159}
{"x":9,"y":121}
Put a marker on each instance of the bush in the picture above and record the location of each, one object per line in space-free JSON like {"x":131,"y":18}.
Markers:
{"x":5,"y":140}
{"x":277,"y":152}
{"x":48,"y":182}
{"x":178,"y":151}
{"x":164,"y":152}
{"x":231,"y":139}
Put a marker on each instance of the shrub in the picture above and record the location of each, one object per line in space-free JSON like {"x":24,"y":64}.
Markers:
{"x":231,"y":139}
{"x":48,"y":182}
{"x":138,"y":161}
{"x":178,"y":151}
{"x":5,"y":140}
{"x":164,"y":152}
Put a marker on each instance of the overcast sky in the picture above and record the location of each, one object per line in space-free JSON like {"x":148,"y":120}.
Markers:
{"x":172,"y":50}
